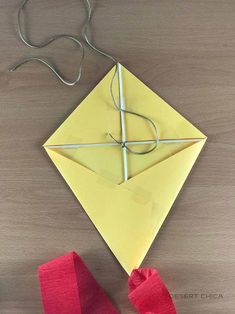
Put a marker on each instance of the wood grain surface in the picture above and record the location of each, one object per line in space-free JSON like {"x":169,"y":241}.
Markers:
{"x":185,"y":51}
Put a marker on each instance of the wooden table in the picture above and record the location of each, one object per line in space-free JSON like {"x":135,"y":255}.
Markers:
{"x":185,"y":51}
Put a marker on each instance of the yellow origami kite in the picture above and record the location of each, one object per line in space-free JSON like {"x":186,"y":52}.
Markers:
{"x":127,"y":196}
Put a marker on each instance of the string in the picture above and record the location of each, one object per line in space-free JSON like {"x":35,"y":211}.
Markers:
{"x":86,"y":36}
{"x":45,"y":43}
{"x":52,"y":39}
{"x":156,"y":138}
{"x":152,"y":124}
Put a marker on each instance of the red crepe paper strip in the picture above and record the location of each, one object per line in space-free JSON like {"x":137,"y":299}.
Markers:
{"x":148,"y":293}
{"x":68,"y":287}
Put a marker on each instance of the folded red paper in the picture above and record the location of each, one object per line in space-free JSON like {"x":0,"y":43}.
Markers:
{"x":148,"y":293}
{"x":68,"y":287}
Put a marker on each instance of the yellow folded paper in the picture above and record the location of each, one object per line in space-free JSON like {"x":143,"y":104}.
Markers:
{"x":128,"y":214}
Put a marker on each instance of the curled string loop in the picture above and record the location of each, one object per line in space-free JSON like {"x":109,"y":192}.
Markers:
{"x":45,"y":43}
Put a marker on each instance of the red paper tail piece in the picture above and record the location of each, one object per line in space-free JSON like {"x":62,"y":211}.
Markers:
{"x":68,"y":287}
{"x":148,"y":293}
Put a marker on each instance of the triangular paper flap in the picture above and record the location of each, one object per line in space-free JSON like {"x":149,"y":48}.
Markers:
{"x":105,"y":161}
{"x":141,"y":99}
{"x":108,"y":161}
{"x":93,"y":119}
{"x":129,"y":216}
{"x":165,"y":169}
{"x":96,"y":115}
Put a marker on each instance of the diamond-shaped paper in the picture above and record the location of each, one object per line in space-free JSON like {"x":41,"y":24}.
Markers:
{"x":128,"y":214}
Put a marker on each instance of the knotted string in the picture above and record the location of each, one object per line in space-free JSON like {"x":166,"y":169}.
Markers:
{"x":86,"y":27}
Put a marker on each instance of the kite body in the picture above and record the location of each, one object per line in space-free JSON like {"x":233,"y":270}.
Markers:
{"x":128,"y":214}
